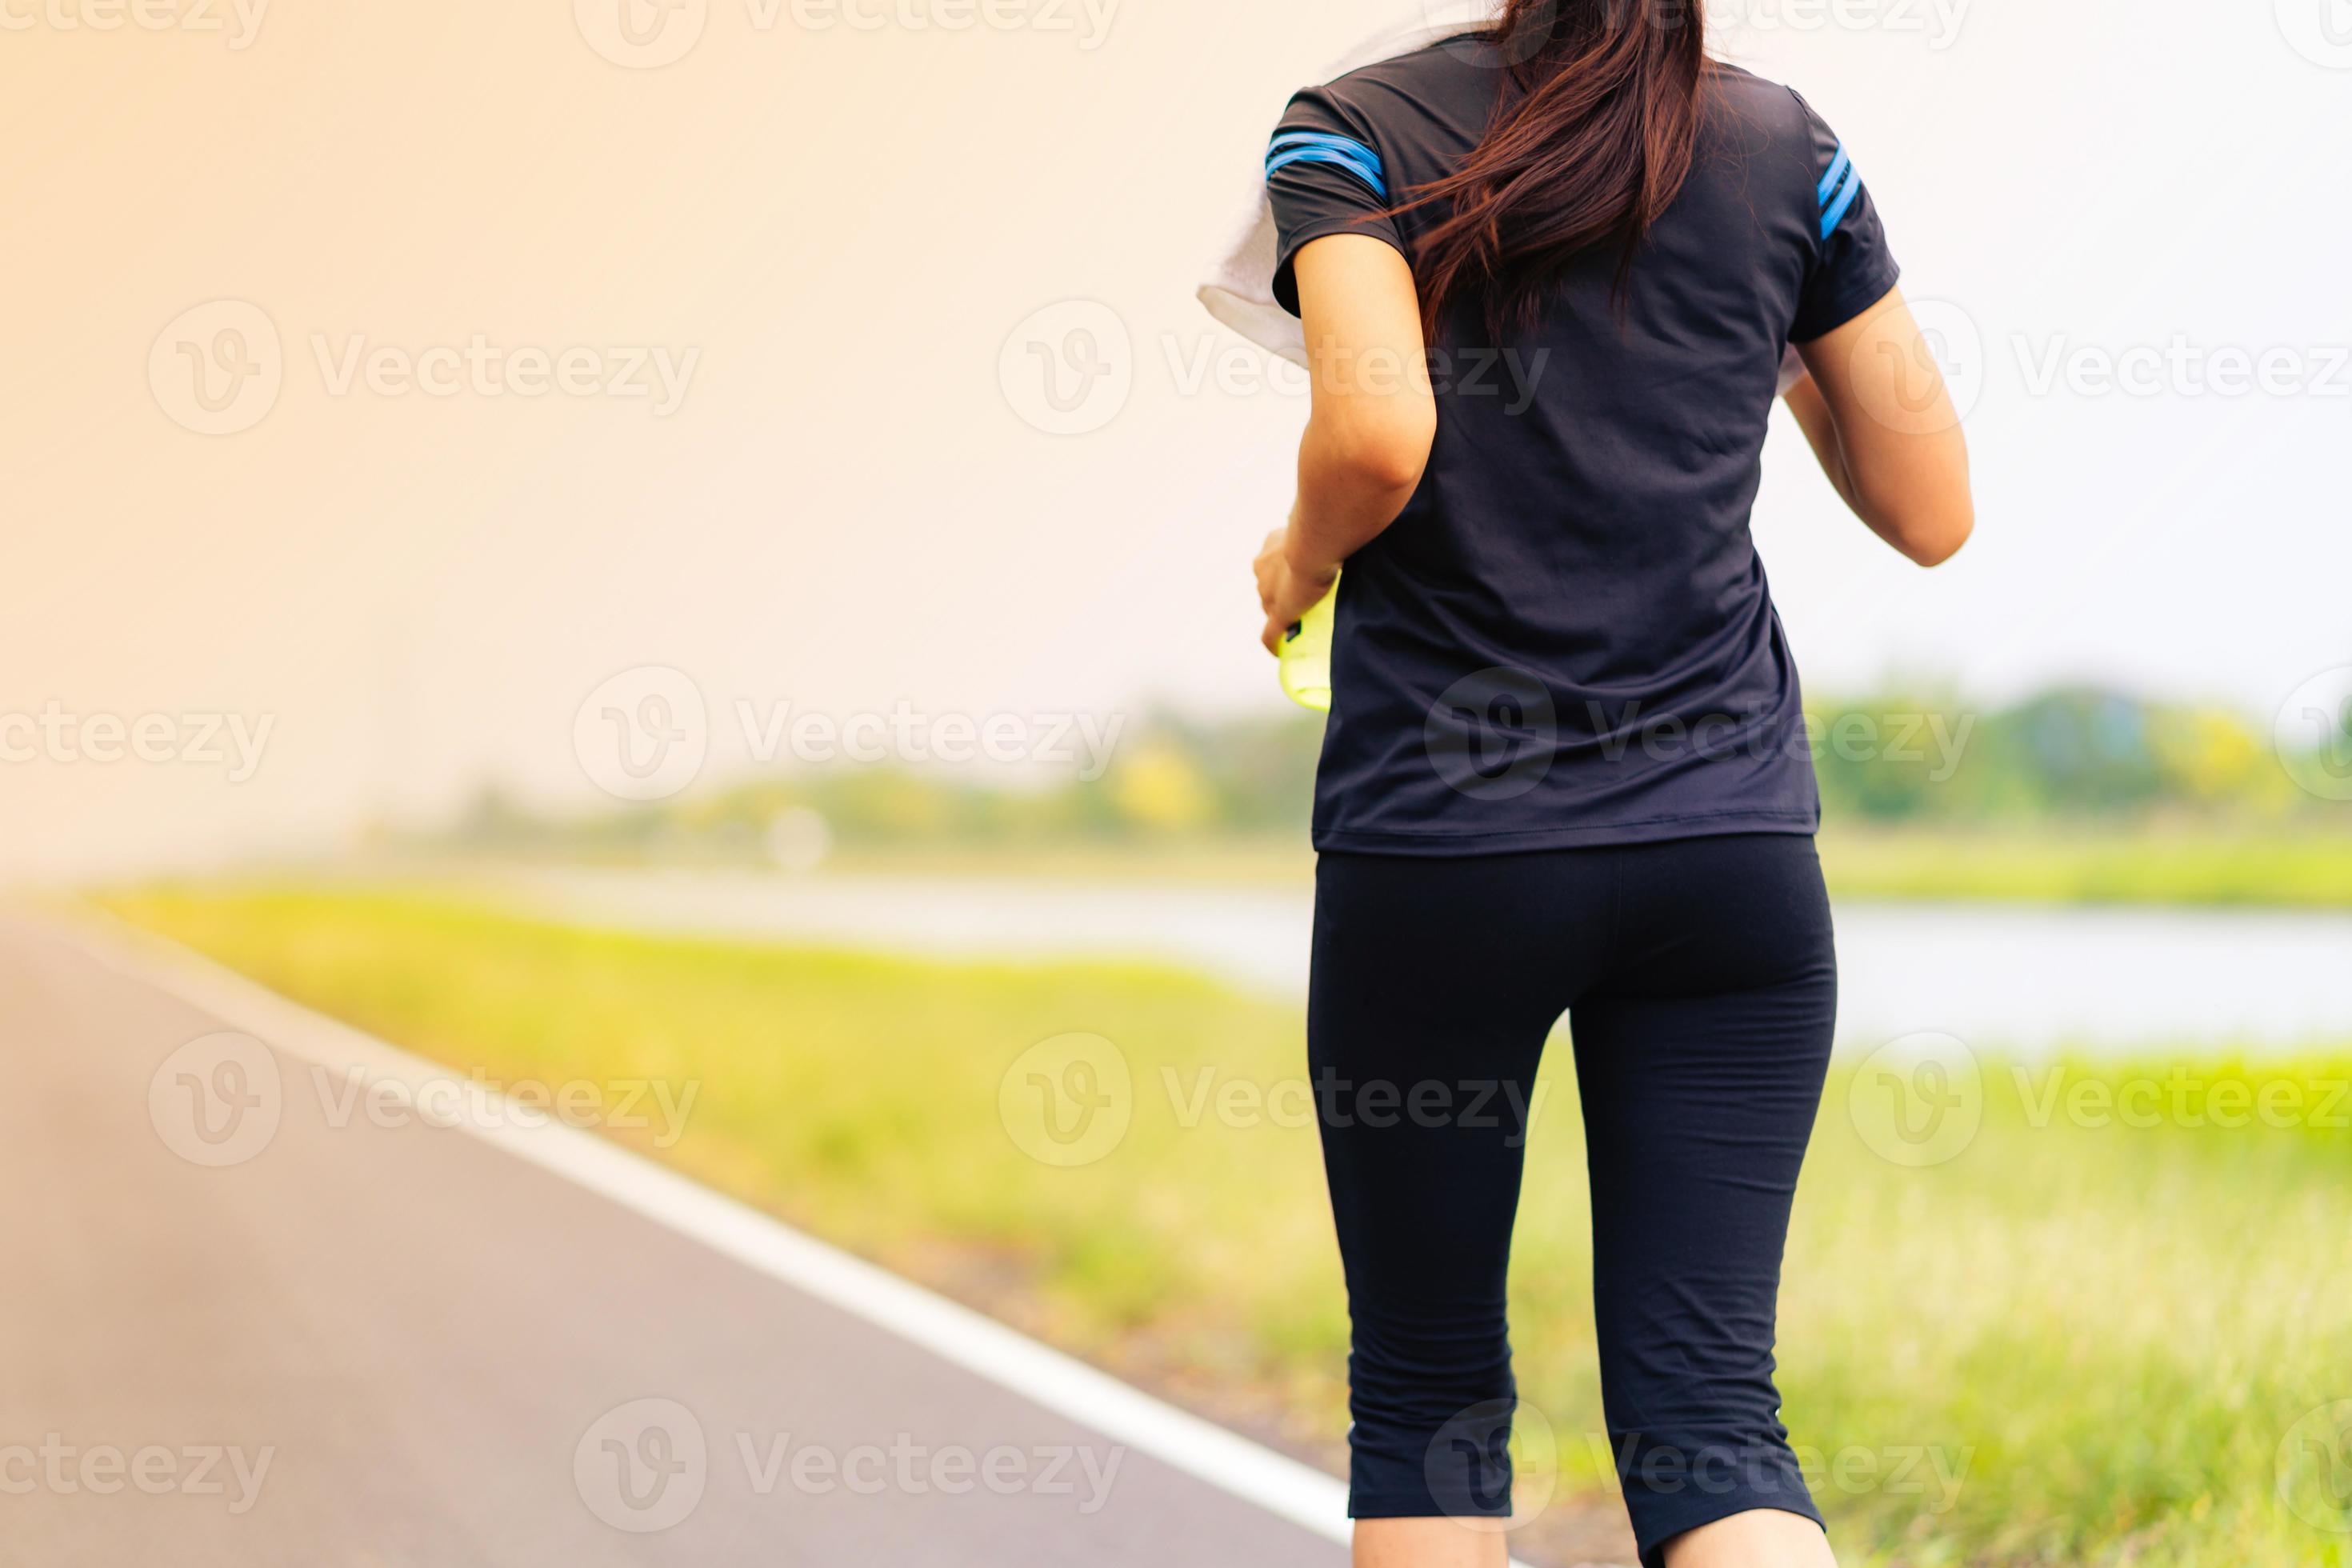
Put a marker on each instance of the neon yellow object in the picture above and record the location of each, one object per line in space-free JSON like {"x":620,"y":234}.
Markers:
{"x":1306,"y":655}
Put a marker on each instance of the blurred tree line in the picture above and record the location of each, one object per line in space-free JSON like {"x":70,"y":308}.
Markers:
{"x":2078,"y":755}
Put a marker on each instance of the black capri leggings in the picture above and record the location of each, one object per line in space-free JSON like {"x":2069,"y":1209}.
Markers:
{"x":1701,"y":989}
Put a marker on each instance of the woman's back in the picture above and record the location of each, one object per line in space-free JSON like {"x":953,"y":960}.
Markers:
{"x":1545,"y":310}
{"x":1566,"y":636}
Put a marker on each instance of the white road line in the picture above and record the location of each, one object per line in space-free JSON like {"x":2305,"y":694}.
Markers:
{"x":1282,"y":1486}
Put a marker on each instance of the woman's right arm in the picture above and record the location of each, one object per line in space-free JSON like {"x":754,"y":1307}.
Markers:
{"x":1875,"y":410}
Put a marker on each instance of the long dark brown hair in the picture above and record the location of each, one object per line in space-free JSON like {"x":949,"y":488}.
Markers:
{"x":1598,"y":124}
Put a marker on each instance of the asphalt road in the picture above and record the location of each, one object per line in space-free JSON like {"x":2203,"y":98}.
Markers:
{"x":378,"y":1341}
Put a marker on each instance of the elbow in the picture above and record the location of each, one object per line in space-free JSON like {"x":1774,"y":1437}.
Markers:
{"x":1389,"y":455}
{"x":1390,"y":470}
{"x":1927,"y":524}
{"x":1933,"y":540}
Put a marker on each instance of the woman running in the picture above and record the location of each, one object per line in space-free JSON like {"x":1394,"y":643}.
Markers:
{"x":1548,"y":275}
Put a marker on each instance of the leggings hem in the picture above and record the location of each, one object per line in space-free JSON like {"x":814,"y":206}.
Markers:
{"x":1417,"y":1505}
{"x":1679,"y":1517}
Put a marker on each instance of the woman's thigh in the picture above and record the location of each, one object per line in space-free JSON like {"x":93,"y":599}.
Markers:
{"x":1700,"y":1056}
{"x":1435,"y":983}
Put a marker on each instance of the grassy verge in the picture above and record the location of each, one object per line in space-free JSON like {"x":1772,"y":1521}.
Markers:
{"x":2086,"y":1337}
{"x":2311,"y":870}
{"x":2090,"y":865}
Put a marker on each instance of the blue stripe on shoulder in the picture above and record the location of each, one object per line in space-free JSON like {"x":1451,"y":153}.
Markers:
{"x":1367,"y":173}
{"x":1836,"y":214}
{"x":1348,"y":144}
{"x":1829,"y":181}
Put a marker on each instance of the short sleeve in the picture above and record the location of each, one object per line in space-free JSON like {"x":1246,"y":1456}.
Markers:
{"x":1851,"y":268}
{"x":1324,"y":175}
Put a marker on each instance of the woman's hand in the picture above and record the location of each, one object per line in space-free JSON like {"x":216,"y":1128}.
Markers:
{"x":1286,"y":592}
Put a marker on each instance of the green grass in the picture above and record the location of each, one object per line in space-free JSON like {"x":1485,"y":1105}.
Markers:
{"x":2186,"y":864}
{"x":2308,"y":870}
{"x":2109,"y":1331}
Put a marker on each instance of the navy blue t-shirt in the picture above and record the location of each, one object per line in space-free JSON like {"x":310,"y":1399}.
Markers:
{"x":1566,"y":637}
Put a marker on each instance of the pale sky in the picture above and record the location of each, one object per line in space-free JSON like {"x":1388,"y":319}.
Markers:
{"x":826,"y":235}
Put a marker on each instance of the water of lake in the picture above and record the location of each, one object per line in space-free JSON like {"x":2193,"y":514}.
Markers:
{"x":2030,"y":978}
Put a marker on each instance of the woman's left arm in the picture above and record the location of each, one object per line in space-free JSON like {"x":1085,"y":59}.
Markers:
{"x":1373,"y":419}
